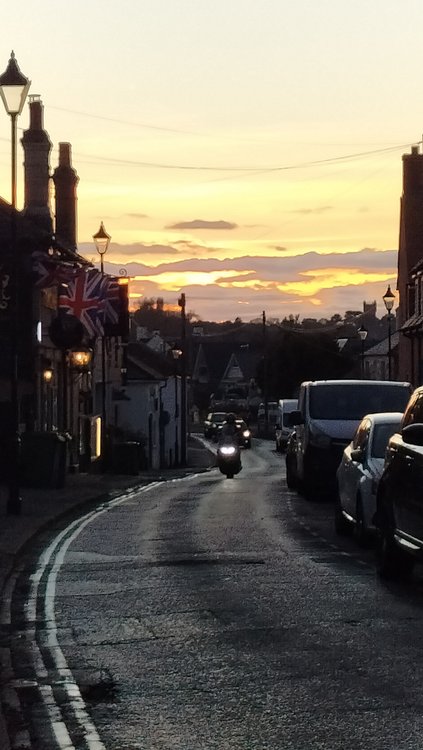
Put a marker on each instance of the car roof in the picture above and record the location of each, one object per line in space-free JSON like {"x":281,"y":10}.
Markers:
{"x":384,"y":416}
{"x":356,"y":382}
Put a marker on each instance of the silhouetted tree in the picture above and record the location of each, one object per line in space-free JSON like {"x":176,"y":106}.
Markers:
{"x":301,"y":356}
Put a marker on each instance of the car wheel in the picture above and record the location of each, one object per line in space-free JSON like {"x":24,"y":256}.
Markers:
{"x":342,"y":526}
{"x":392,"y":562}
{"x":360,"y":530}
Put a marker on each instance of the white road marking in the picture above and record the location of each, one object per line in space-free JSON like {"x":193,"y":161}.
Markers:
{"x":59,"y":547}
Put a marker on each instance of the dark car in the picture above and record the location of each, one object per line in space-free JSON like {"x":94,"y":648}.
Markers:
{"x":399,"y":502}
{"x":243,"y":433}
{"x":213,"y":421}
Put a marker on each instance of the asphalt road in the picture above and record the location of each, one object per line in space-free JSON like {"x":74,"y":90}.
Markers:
{"x":221,"y":614}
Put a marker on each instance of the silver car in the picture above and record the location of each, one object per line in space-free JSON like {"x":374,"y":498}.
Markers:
{"x":359,"y":472}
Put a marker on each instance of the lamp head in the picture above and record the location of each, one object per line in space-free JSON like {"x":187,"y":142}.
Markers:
{"x":388,"y":299}
{"x":80,"y":358}
{"x":102,"y":240}
{"x":362,"y":332}
{"x":14,"y":87}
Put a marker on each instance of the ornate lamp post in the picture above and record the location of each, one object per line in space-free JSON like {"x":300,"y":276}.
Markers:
{"x":388,"y":301}
{"x":102,"y":241}
{"x":362,"y":332}
{"x":14,"y":88}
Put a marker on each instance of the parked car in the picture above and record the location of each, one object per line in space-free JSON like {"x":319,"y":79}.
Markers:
{"x":399,"y":502}
{"x":243,"y":433}
{"x":359,"y":472}
{"x":212,"y":422}
{"x":282,"y":428}
{"x":329,"y":412}
{"x":291,"y":461}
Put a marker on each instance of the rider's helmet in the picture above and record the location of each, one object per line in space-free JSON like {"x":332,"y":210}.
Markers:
{"x":230,"y":418}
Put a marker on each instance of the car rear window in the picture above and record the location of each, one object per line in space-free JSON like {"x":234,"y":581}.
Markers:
{"x":381,"y":435}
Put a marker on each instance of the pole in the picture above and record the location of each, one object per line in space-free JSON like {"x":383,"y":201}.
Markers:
{"x":182,"y":303}
{"x":103,"y":390}
{"x":362,"y":359}
{"x":176,"y":418}
{"x":14,"y":501}
{"x":389,"y":346}
{"x":265,"y":388}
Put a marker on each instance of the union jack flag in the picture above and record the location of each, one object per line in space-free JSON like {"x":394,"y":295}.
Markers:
{"x":83,"y":297}
{"x":111,"y":300}
{"x":51,"y":272}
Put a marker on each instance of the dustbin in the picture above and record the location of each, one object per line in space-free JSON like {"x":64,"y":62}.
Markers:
{"x":126,"y":458}
{"x":43,"y":459}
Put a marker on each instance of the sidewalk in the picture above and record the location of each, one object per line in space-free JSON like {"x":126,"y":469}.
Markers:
{"x":41,"y":507}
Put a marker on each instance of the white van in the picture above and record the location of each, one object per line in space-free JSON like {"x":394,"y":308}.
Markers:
{"x":282,"y":427}
{"x":328,"y":414}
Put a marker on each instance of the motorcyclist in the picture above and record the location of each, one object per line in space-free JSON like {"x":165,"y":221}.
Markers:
{"x":229,"y":430}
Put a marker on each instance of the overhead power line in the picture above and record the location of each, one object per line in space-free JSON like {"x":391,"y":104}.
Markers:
{"x":265,"y":169}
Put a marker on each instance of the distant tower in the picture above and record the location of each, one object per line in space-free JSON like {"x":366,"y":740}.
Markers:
{"x":65,"y":181}
{"x":37,"y":147}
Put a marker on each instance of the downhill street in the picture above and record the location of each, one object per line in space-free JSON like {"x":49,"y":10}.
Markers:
{"x":208,"y":613}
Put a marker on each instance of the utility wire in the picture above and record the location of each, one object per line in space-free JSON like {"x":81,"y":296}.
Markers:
{"x":257,"y":170}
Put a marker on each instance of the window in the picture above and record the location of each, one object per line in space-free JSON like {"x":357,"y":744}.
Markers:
{"x":351,"y":401}
{"x":414,"y":411}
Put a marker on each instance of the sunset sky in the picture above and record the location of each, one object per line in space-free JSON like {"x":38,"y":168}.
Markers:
{"x":248,"y":154}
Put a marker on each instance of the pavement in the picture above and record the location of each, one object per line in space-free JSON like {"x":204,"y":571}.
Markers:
{"x":42,"y":508}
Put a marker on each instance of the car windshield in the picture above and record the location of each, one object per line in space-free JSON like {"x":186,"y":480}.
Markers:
{"x":219,"y":417}
{"x":352,"y":401}
{"x":381,"y":435}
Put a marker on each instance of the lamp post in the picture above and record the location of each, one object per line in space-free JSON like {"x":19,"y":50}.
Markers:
{"x":388,"y":301}
{"x":176,"y":353}
{"x":182,"y":305}
{"x":102,"y":240}
{"x":14,"y":88}
{"x":362,"y":332}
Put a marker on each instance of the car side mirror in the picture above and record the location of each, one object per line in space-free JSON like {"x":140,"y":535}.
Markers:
{"x":413,"y":433}
{"x":295,"y":417}
{"x":357,"y":455}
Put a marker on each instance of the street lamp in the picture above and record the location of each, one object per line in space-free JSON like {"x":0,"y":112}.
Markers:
{"x":362,"y":332}
{"x":102,"y":240}
{"x":14,"y":88}
{"x":182,"y":305}
{"x":388,"y":301}
{"x":176,"y":354}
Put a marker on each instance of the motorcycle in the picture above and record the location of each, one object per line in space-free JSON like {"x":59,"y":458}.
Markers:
{"x":229,"y":458}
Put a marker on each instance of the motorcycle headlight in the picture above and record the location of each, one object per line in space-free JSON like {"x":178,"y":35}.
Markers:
{"x":246,"y":433}
{"x":227,"y":450}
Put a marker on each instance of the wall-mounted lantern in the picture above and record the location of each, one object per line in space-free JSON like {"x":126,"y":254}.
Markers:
{"x":80,"y":359}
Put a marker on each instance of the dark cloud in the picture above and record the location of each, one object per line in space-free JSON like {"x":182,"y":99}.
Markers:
{"x":222,"y":303}
{"x":281,"y":248}
{"x":318,"y":210}
{"x":135,"y":249}
{"x":201,"y":224}
{"x":137,"y":216}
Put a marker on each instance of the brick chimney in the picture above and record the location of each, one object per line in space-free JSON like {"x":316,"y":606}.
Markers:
{"x":37,"y":147}
{"x":411,"y":223}
{"x":65,"y":181}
